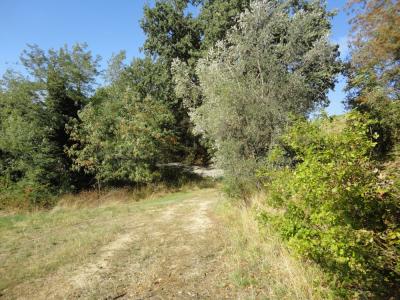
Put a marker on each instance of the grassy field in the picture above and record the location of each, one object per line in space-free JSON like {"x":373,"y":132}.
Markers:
{"x":37,"y":244}
{"x":188,"y":244}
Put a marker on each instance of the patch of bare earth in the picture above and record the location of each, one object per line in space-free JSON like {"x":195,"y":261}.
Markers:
{"x":172,"y":252}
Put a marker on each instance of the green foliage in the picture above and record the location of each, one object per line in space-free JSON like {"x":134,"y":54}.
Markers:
{"x":172,"y":34}
{"x":374,"y":68}
{"x":387,"y":114}
{"x":277,"y":61}
{"x":65,"y":78}
{"x":129,"y":126}
{"x":170,"y":31}
{"x":122,"y":138}
{"x":339,"y":209}
{"x":375,"y":55}
{"x":33,"y":116}
{"x":28,"y":168}
{"x":217,"y":17}
{"x":151,"y":78}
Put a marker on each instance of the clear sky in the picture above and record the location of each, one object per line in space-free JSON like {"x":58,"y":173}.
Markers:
{"x":107,"y":26}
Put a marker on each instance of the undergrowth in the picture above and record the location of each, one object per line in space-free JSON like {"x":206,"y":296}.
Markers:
{"x":175,"y":180}
{"x":260,"y":264}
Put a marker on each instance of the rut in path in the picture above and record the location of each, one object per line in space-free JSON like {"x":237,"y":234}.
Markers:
{"x":168,"y":252}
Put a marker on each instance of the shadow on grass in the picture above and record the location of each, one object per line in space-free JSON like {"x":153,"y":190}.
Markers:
{"x":173,"y":179}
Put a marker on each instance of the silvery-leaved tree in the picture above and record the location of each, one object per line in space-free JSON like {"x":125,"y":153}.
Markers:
{"x":276,"y":62}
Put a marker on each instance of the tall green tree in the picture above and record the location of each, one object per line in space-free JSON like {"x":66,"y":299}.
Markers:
{"x":66,"y":78}
{"x":123,"y":136}
{"x":34,"y":114}
{"x":277,"y":61}
{"x":172,"y":33}
{"x":30,"y":170}
{"x":217,"y":17}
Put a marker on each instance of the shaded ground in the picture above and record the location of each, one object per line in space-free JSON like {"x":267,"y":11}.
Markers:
{"x":168,"y":249}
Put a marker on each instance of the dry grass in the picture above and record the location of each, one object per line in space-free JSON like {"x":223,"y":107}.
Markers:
{"x":34,"y":245}
{"x":37,"y":243}
{"x":94,"y":198}
{"x":47,"y":247}
{"x":260,"y":262}
{"x":166,"y":248}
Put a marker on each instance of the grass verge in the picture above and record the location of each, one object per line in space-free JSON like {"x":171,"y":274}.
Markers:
{"x":260,"y":264}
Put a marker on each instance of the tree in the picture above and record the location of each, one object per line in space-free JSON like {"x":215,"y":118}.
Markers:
{"x":174,"y":34}
{"x":276,"y":62}
{"x":171,"y":33}
{"x":122,"y":137}
{"x":29,"y":169}
{"x":217,"y":17}
{"x":33,"y":118}
{"x":374,"y":69}
{"x":65,"y":78}
{"x":375,"y":48}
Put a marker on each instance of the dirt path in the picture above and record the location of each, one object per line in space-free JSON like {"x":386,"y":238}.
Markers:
{"x":166,"y":252}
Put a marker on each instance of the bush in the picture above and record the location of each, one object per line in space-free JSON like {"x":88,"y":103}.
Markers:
{"x":387,"y":114}
{"x":339,"y":209}
{"x":25,"y":195}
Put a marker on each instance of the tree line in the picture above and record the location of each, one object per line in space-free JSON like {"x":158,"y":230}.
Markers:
{"x":61,"y":131}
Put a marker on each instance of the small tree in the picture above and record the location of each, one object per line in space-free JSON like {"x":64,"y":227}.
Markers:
{"x":374,"y":68}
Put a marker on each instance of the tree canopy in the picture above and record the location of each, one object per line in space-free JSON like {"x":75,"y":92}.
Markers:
{"x":374,"y":68}
{"x":277,"y":61}
{"x":34,"y":114}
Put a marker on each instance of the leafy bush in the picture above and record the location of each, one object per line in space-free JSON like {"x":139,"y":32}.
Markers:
{"x":339,"y":209}
{"x":387,"y":114}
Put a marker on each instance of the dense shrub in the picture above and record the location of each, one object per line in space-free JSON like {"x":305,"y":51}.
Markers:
{"x":338,"y":208}
{"x":387,"y":114}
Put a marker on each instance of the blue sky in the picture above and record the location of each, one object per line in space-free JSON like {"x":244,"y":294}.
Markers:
{"x":106,"y":26}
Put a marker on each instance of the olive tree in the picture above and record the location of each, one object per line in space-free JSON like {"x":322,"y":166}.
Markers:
{"x":275,"y":62}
